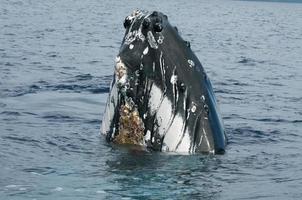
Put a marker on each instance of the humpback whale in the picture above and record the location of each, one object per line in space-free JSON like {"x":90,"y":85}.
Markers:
{"x":161,"y":97}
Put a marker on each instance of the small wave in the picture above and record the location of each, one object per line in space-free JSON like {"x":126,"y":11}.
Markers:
{"x":232,"y":116}
{"x":235,"y":82}
{"x":93,"y":121}
{"x":50,"y":30}
{"x":52,"y":54}
{"x":59,"y":117}
{"x":278,"y":120}
{"x":75,"y":142}
{"x":29,"y":113}
{"x":40,"y":170}
{"x":93,"y":62}
{"x":23,"y":139}
{"x":9,"y":64}
{"x":10,"y":113}
{"x":250,"y":61}
{"x":2,"y":105}
{"x":228,"y":91}
{"x":79,"y":83}
{"x":74,"y":148}
{"x":251,"y":135}
{"x":84,"y":77}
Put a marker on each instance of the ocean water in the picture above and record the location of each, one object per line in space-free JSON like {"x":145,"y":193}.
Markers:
{"x":56,"y":62}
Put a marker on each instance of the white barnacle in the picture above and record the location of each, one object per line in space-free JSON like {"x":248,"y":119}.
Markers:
{"x":135,"y":14}
{"x":117,"y":59}
{"x":160,"y":39}
{"x":146,"y":50}
{"x":148,"y":135}
{"x":123,"y":80}
{"x":173,"y":79}
{"x":131,"y":46}
{"x":191,"y":63}
{"x":137,"y":73}
{"x":120,"y":71}
{"x":193,"y":107}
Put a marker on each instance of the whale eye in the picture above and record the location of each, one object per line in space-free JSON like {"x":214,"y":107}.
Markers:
{"x":127,"y":22}
{"x":146,"y":23}
{"x":158,"y":27}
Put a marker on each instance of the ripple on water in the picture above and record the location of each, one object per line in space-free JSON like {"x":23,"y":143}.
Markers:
{"x":80,"y":83}
{"x":40,"y":170}
{"x":23,"y":140}
{"x":60,"y":117}
{"x":250,"y":135}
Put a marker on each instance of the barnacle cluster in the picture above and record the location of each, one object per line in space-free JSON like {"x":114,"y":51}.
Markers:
{"x":120,"y":70}
{"x":131,"y":126}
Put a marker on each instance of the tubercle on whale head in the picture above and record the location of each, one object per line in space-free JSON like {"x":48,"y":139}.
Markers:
{"x":143,"y":36}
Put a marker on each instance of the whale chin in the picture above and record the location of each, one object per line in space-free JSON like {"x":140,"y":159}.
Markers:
{"x":160,"y":96}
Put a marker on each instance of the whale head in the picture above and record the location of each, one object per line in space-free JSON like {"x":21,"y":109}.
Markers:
{"x":160,"y":96}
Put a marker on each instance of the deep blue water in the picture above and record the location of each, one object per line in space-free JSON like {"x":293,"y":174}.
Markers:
{"x":56,"y":62}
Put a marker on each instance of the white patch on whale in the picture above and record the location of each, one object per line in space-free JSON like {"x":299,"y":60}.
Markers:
{"x":147,"y":137}
{"x":155,"y":98}
{"x":191,"y":63}
{"x":117,"y":59}
{"x":121,"y":72}
{"x":109,"y":110}
{"x":175,"y":132}
{"x":173,"y":79}
{"x":146,"y":50}
{"x":193,"y":107}
{"x":160,"y":39}
{"x":185,"y":143}
{"x":151,"y":40}
{"x":164,"y":116}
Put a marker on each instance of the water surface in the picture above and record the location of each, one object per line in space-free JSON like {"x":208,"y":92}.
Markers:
{"x":56,"y":62}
